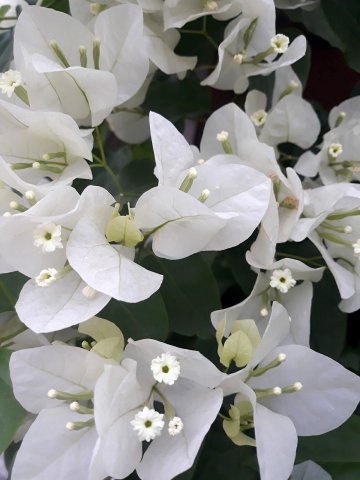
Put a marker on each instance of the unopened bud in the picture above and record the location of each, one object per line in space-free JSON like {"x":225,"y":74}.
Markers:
{"x":204,"y":195}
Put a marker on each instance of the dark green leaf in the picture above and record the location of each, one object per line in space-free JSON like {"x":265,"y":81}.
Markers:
{"x":337,"y":451}
{"x":10,"y":286}
{"x":61,"y":5}
{"x":344,"y":18}
{"x":328,"y":323}
{"x":11,"y":413}
{"x":190,"y":293}
{"x":147,"y":319}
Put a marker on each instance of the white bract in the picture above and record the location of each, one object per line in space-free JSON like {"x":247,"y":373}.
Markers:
{"x":331,"y":222}
{"x":278,"y":394}
{"x":46,"y":380}
{"x":212,"y":206}
{"x":289,"y":112}
{"x":125,"y":414}
{"x":69,"y":68}
{"x":250,"y":47}
{"x":286,"y":196}
{"x":258,"y":305}
{"x":41,"y":150}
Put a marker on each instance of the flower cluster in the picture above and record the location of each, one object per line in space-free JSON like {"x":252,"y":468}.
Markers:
{"x":117,"y":245}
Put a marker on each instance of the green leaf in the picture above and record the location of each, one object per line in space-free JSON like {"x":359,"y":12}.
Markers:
{"x":147,"y":319}
{"x":192,"y":100}
{"x":337,"y":451}
{"x":10,"y":286}
{"x":11,"y":412}
{"x":190,"y":293}
{"x":328,"y":323}
{"x":344,"y":18}
{"x":61,"y":5}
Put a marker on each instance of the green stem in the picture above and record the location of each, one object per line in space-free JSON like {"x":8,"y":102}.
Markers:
{"x":202,"y":32}
{"x":103,"y":162}
{"x":310,"y":260}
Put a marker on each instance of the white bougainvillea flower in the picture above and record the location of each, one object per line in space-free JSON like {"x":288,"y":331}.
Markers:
{"x":220,"y":204}
{"x":282,"y":280}
{"x":9,"y":81}
{"x":247,"y":50}
{"x":88,"y":271}
{"x":331,"y":222}
{"x":284,"y":121}
{"x":40,"y":150}
{"x":124,"y":403}
{"x":337,"y":161}
{"x":159,"y":44}
{"x":258,"y":305}
{"x":47,"y":236}
{"x":68,"y":68}
{"x":282,"y":387}
{"x":286,"y":199}
{"x":165,"y":368}
{"x":46,"y":380}
{"x":148,"y":424}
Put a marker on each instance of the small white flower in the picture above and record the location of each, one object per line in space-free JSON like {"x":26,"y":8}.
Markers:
{"x":259,"y":118}
{"x":148,"y":424}
{"x":175,"y":426}
{"x":48,"y":237}
{"x":282,"y":280}
{"x":46,"y":277}
{"x":356,"y":247}
{"x":335,"y":149}
{"x":165,"y":368}
{"x":280,"y":43}
{"x":9,"y":81}
{"x":222,"y":136}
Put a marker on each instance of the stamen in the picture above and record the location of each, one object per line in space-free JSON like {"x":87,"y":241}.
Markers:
{"x":96,"y":53}
{"x":188,"y":180}
{"x":204,"y":195}
{"x":58,"y":53}
{"x":59,"y":395}
{"x":80,"y":425}
{"x":296,"y":387}
{"x":223,"y":138}
{"x":76,"y":407}
{"x":340,"y":118}
{"x":267,"y":392}
{"x":293,"y":85}
{"x":83,"y":56}
{"x":275,"y":363}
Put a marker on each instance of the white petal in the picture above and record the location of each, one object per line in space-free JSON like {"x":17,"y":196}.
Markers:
{"x":46,"y":309}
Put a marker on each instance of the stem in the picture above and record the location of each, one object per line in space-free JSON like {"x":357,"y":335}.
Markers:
{"x":202,"y":32}
{"x":310,"y":260}
{"x":103,"y":163}
{"x":13,"y":335}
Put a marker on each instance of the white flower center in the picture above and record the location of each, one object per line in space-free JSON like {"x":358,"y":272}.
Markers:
{"x":165,"y":369}
{"x":175,"y":426}
{"x":9,"y":81}
{"x":222,"y":136}
{"x":148,"y":424}
{"x":46,"y":277}
{"x":48,"y":237}
{"x":335,"y":149}
{"x":282,"y":280}
{"x":259,"y":118}
{"x":280,"y":43}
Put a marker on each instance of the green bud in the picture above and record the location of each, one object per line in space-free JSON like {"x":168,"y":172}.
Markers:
{"x":122,"y":229}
